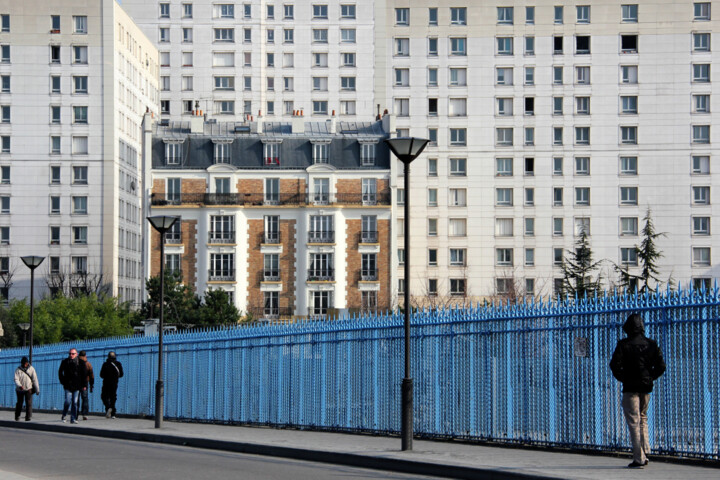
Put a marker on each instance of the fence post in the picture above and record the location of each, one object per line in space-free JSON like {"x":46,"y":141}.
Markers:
{"x":706,"y":394}
{"x":596,"y":381}
{"x":551,"y":380}
{"x":508,"y":383}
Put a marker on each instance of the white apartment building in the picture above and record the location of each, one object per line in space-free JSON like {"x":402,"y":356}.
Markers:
{"x":77,"y":78}
{"x":544,"y":119}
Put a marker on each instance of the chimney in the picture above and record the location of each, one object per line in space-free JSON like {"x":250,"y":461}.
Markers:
{"x":332,"y":123}
{"x":297,"y":124}
{"x":197,"y":123}
{"x":388,"y":123}
{"x":257,"y":127}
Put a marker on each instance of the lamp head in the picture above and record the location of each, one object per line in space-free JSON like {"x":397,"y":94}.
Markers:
{"x":162,"y":223}
{"x":407,"y":149}
{"x":32,"y":261}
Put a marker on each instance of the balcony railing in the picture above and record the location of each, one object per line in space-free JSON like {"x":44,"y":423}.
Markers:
{"x":221,"y":275}
{"x":271,"y":275}
{"x":271,"y":237}
{"x":260,"y":199}
{"x":221,"y":236}
{"x":368,"y":237}
{"x":322,"y":274}
{"x":321,"y":236}
{"x":367,"y":275}
{"x":173,"y":238}
{"x":272,"y":313}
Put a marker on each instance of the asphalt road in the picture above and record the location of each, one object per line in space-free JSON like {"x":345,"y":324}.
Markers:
{"x":45,"y":455}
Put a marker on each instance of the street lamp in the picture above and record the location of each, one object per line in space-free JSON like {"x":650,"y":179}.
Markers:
{"x":407,"y":149}
{"x":161,"y":223}
{"x":32,"y":262}
{"x":24,"y":327}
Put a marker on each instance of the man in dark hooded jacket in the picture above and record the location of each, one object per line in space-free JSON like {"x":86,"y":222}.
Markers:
{"x":637,"y":362}
{"x":72,"y":374}
{"x":111,"y":372}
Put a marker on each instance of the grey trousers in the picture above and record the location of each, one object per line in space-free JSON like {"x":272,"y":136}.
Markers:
{"x":635,"y":407}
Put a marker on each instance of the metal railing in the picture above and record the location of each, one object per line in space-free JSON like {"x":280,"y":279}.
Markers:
{"x":272,"y":275}
{"x":321,"y":236}
{"x":368,"y":275}
{"x":173,"y":238}
{"x":320,"y":274}
{"x":221,"y":275}
{"x":260,"y":199}
{"x":368,"y":236}
{"x":221,"y":236}
{"x":534,"y":373}
{"x":271,"y":237}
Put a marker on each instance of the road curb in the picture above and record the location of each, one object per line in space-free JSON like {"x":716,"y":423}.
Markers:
{"x":321,"y":456}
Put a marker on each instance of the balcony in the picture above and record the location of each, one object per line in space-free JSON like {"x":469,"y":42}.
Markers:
{"x":221,"y":236}
{"x":368,"y":275}
{"x":261,"y":199}
{"x":369,"y":237}
{"x":271,"y":275}
{"x":321,"y":274}
{"x":322,"y":236}
{"x":271,"y":237}
{"x":222,"y":275}
{"x":272,"y":313}
{"x":173,"y":238}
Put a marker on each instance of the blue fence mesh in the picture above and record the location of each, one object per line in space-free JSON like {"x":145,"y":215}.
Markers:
{"x":535,"y":373}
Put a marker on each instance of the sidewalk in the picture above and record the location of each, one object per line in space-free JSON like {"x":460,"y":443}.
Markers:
{"x":447,"y":459}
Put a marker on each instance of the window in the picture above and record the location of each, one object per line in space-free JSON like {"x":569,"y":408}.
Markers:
{"x":628,"y":74}
{"x":5,"y":54}
{"x":458,"y":167}
{"x":320,"y":153}
{"x":457,"y":46}
{"x":5,"y":23}
{"x":432,"y":46}
{"x":164,"y":10}
{"x":701,"y":42}
{"x":458,"y":16}
{"x":432,"y":257}
{"x":529,"y":75}
{"x":5,"y":144}
{"x":504,"y":46}
{"x":187,"y":83}
{"x":432,"y":77}
{"x":270,"y":59}
{"x":700,"y":164}
{"x":457,"y":107}
{"x":504,"y":227}
{"x":701,"y":104}
{"x":558,"y":17}
{"x":187,"y":59}
{"x":320,"y":84}
{"x":458,"y":77}
{"x":271,"y":154}
{"x":582,"y":105}
{"x":270,"y":11}
{"x":347,"y":35}
{"x":529,"y":166}
{"x":224,"y":83}
{"x":458,"y":136}
{"x":347,"y":59}
{"x":504,"y":76}
{"x":530,"y":15}
{"x":701,"y":256}
{"x":557,"y":75}
{"x":402,"y":16}
{"x":5,"y":83}
{"x":529,"y":226}
{"x":288,"y":12}
{"x":701,"y":134}
{"x":79,"y":145}
{"x":79,"y":235}
{"x":247,"y":35}
{"x":5,"y":175}
{"x":173,"y":153}
{"x":583,"y":13}
{"x":247,"y":11}
{"x":529,"y":46}
{"x":432,"y":137}
{"x":557,"y":226}
{"x":347,"y":83}
{"x":80,"y":175}
{"x":582,"y":75}
{"x":628,"y":165}
{"x":288,"y":35}
{"x":504,"y":106}
{"x":54,"y":23}
{"x":628,"y":104}
{"x":224,"y":11}
{"x":582,"y":165}
{"x":457,"y":286}
{"x":187,"y":35}
{"x":80,"y":115}
{"x":504,"y":136}
{"x":629,"y":13}
{"x":458,"y":197}
{"x":582,"y":45}
{"x":457,"y":227}
{"x":628,"y":135}
{"x":224,"y":107}
{"x":702,"y":283}
{"x":701,"y":11}
{"x":504,"y":257}
{"x":320,"y":60}
{"x":557,"y":166}
{"x":247,"y":83}
{"x":347,"y":11}
{"x":503,"y":197}
{"x":432,"y":167}
{"x":187,"y":10}
{"x":504,"y":167}
{"x":54,"y":53}
{"x":432,"y":227}
{"x":628,"y":43}
{"x":432,"y":16}
{"x":79,"y":205}
{"x":402,"y":47}
{"x":628,"y":195}
{"x":701,"y":225}
{"x":529,"y":105}
{"x":582,"y":196}
{"x":530,"y":258}
{"x":320,"y":12}
{"x":4,"y":204}
{"x":628,"y":226}
{"x":505,"y":15}
{"x":701,"y":72}
{"x":432,"y":197}
{"x":628,"y":256}
{"x":54,"y":235}
{"x":80,"y":54}
{"x":557,"y":135}
{"x":164,"y":35}
{"x":55,"y":145}
{"x":529,"y":197}
{"x":557,"y":196}
{"x":582,"y":134}
{"x":224,"y":35}
{"x":701,"y":195}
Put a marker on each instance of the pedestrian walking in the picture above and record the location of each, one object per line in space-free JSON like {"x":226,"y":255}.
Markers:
{"x":89,"y":384}
{"x":111,"y":372}
{"x":637,"y":362}
{"x":26,"y":383}
{"x":72,"y":375}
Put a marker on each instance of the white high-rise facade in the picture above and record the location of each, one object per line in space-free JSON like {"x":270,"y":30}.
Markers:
{"x":77,"y":78}
{"x":544,"y":120}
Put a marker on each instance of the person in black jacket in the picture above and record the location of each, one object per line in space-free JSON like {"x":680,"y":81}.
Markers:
{"x":637,"y":362}
{"x":72,"y":375}
{"x":110,"y":372}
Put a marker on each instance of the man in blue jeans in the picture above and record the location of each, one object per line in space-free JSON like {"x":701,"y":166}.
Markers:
{"x":72,"y":375}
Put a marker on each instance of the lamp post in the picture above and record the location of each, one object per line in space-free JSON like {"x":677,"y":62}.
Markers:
{"x":162,"y":224}
{"x":24,"y":327}
{"x":407,"y":149}
{"x":32,"y":262}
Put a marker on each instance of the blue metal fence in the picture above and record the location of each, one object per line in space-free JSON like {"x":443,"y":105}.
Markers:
{"x":535,"y":373}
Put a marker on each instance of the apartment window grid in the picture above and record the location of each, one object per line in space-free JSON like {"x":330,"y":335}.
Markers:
{"x":701,"y":11}
{"x":582,"y":165}
{"x":628,"y":166}
{"x":558,"y":226}
{"x":701,"y":42}
{"x":557,"y":105}
{"x":701,"y":256}
{"x":529,"y":196}
{"x":583,"y":13}
{"x":458,"y":16}
{"x":629,"y":13}
{"x":628,"y":226}
{"x":701,"y":164}
{"x":529,"y":46}
{"x":505,"y":15}
{"x":529,"y":223}
{"x":701,"y":226}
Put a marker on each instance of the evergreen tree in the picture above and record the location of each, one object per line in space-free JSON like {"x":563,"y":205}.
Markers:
{"x":648,"y":256}
{"x":579,"y":270}
{"x":217,"y":309}
{"x":181,"y":304}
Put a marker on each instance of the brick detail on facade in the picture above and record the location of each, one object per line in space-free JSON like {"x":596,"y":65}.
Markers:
{"x":188,"y":261}
{"x":353,"y":186}
{"x":158,"y":187}
{"x":256,"y":265}
{"x":193,"y":185}
{"x":293,"y":185}
{"x":250,"y":185}
{"x":354,"y":264}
